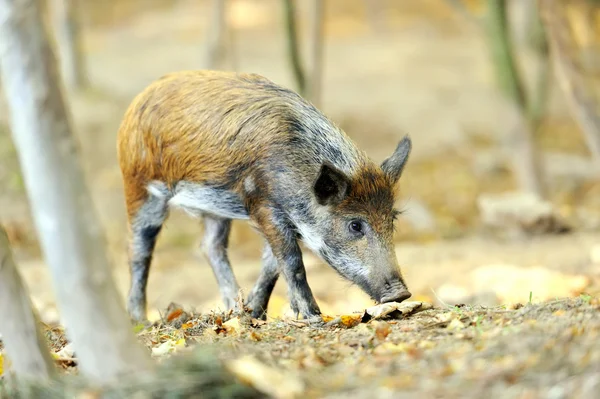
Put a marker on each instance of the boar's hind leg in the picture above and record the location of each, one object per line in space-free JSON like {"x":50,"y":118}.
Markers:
{"x":258,"y":300}
{"x":145,"y":226}
{"x":216,"y":239}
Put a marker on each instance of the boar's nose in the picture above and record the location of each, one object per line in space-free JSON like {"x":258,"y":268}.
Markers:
{"x":398,"y":296}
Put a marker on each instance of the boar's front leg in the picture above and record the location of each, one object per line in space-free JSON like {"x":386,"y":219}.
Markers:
{"x":282,"y":240}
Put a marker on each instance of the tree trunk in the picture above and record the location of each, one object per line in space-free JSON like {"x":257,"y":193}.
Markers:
{"x":68,"y":38}
{"x":21,"y":335}
{"x":217,"y":36}
{"x":563,"y":50}
{"x":527,"y":160}
{"x":317,"y":36}
{"x":63,"y":211}
{"x":292,"y":45}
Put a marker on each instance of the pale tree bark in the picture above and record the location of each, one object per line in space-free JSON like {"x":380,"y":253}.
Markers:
{"x":563,"y":49}
{"x":69,"y":40}
{"x":289,"y":13}
{"x":217,"y":35}
{"x":527,"y":160}
{"x":19,"y":323}
{"x":63,"y":211}
{"x":317,"y":33}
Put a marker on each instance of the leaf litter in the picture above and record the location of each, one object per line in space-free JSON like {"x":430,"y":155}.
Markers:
{"x":412,"y":348}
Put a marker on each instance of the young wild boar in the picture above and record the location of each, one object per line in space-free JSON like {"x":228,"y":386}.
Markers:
{"x":226,"y":146}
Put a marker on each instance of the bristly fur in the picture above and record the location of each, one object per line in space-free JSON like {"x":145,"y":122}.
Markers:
{"x":237,"y":146}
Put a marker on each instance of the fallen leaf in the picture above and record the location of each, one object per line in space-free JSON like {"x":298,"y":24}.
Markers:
{"x":232,"y":326}
{"x":395,"y":310}
{"x":1,"y":364}
{"x":168,"y":347}
{"x":351,"y":320}
{"x":269,"y":380}
{"x":187,"y":325}
{"x":174,"y":314}
{"x":258,"y":322}
{"x":382,"y":330}
{"x":255,"y":337}
{"x":326,"y":318}
{"x":66,"y":352}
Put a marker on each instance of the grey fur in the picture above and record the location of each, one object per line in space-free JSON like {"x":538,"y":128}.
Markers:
{"x":394,"y":165}
{"x":277,"y":144}
{"x":216,"y":239}
{"x":258,"y":299}
{"x":144,"y":229}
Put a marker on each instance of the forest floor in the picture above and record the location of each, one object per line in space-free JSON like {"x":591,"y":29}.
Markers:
{"x":425,"y":73}
{"x":531,"y":350}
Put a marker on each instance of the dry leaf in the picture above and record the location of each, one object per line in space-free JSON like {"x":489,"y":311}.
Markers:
{"x":266,"y":379}
{"x":168,"y":347}
{"x":66,"y":352}
{"x":255,"y":337}
{"x":351,"y":320}
{"x":382,"y":330}
{"x":233,"y":326}
{"x":258,"y":322}
{"x":174,"y":314}
{"x":326,"y":318}
{"x":395,"y":310}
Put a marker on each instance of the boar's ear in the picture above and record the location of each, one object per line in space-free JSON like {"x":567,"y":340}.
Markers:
{"x":331,"y":186}
{"x":394,"y":165}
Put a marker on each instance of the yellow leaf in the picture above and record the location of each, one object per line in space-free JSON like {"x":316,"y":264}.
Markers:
{"x":233,"y":326}
{"x":326,"y":318}
{"x":351,"y":320}
{"x":273,"y":381}
{"x":1,"y":364}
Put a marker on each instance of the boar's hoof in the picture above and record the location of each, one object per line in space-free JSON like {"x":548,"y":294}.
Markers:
{"x":397,"y":296}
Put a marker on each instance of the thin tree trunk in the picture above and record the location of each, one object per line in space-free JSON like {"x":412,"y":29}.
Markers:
{"x":317,"y":37}
{"x":562,"y":47}
{"x":292,"y":45}
{"x":217,"y":35}
{"x":23,"y":341}
{"x":68,"y":37}
{"x":63,"y":211}
{"x":527,"y":160}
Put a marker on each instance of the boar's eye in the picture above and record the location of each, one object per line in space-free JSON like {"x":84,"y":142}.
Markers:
{"x":356,"y":227}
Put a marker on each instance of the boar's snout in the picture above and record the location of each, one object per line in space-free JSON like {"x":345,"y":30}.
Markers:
{"x":396,"y":296}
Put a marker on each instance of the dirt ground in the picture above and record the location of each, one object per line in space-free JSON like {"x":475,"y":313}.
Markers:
{"x":424,"y":72}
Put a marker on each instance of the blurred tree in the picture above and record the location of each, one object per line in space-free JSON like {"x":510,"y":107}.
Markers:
{"x":292,"y":45}
{"x":69,"y":40}
{"x":527,"y":159}
{"x":565,"y":56}
{"x":23,"y":341}
{"x":220,"y":38}
{"x":530,"y":107}
{"x":69,"y":231}
{"x":317,"y":20}
{"x":308,"y":86}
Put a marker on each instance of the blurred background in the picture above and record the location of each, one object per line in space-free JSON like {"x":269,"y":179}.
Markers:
{"x":501,"y":195}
